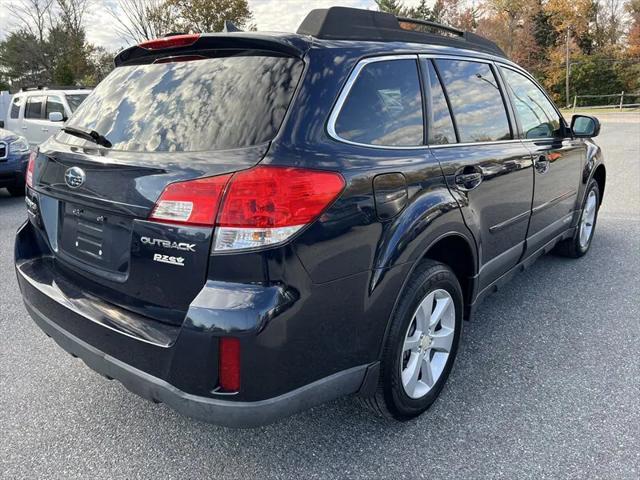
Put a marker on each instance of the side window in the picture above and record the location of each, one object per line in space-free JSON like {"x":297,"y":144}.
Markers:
{"x":384,"y":106}
{"x":439,"y":123}
{"x":537,"y":116}
{"x":54,"y":104}
{"x":15,"y":107}
{"x":474,"y":94}
{"x":34,"y":107}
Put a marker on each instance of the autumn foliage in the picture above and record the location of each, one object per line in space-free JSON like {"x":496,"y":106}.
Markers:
{"x":603,"y":38}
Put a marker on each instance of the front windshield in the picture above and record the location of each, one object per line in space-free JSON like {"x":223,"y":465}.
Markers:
{"x":74,"y":100}
{"x":197,"y":105}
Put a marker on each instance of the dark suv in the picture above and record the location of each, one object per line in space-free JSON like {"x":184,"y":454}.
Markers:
{"x":243,"y":225}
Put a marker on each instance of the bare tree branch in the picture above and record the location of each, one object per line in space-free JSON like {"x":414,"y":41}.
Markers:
{"x":137,"y":20}
{"x":32,"y":15}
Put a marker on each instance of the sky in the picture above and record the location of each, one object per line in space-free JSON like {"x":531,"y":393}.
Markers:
{"x":269,"y":15}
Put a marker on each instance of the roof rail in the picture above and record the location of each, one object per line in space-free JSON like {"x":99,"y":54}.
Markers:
{"x":54,"y":87}
{"x":343,"y":23}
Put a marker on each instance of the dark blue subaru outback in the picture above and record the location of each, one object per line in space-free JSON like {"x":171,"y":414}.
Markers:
{"x":243,"y":225}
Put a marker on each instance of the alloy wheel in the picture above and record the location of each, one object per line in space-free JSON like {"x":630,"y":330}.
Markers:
{"x":588,"y":219}
{"x":427,"y":343}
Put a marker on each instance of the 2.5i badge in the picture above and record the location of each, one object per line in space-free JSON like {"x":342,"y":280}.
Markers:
{"x":158,"y":257}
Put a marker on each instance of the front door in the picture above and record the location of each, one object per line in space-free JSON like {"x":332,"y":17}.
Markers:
{"x":558,"y":159}
{"x":487,"y":169}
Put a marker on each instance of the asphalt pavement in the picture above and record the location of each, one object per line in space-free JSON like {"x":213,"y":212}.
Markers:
{"x":546,"y":385}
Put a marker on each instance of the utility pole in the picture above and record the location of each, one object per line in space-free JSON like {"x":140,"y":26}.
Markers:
{"x":568,"y":69}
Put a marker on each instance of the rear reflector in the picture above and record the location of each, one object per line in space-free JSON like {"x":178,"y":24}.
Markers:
{"x":170,"y":42}
{"x":194,"y":202}
{"x":229,"y":364}
{"x":30,"y":168}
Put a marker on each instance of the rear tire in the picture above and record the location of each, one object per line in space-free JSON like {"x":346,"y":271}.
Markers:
{"x":17,"y":191}
{"x":427,"y":339}
{"x":579,"y":244}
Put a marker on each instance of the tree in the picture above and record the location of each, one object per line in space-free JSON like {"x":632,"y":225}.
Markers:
{"x":421,"y":12}
{"x":23,"y":60}
{"x":32,"y":15}
{"x":139,"y":20}
{"x":203,"y":15}
{"x":633,"y":35}
{"x":50,"y":47}
{"x":394,"y":7}
{"x":507,"y":23}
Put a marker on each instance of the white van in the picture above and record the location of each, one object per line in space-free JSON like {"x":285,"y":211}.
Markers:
{"x":38,"y":113}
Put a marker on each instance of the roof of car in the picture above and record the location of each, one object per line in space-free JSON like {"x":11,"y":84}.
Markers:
{"x":48,"y":91}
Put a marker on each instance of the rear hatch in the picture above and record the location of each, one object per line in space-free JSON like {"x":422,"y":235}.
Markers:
{"x":180,"y":119}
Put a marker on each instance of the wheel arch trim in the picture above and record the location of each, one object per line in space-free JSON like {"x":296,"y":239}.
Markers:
{"x":416,"y":262}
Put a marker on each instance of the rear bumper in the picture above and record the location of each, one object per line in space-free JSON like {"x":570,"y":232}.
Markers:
{"x":176,"y":365}
{"x":221,"y":412}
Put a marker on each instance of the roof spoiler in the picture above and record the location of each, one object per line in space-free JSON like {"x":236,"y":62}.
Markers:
{"x":343,"y":23}
{"x":138,"y":54}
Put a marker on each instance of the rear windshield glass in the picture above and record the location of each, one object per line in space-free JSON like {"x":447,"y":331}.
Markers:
{"x":188,"y":106}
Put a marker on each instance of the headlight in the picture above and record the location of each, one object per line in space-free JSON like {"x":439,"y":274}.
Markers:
{"x":20,"y":145}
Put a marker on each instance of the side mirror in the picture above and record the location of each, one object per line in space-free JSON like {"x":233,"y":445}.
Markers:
{"x":585,"y":126}
{"x":1,"y":123}
{"x":55,"y":117}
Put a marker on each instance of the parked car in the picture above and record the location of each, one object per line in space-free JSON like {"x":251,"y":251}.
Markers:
{"x":5,"y":100}
{"x":38,"y":113}
{"x":14,"y":157}
{"x":242,"y":225}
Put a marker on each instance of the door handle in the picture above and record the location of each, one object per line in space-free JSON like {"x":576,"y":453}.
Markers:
{"x":24,"y":127}
{"x":542,"y":164}
{"x":468,"y":181}
{"x":45,"y":129}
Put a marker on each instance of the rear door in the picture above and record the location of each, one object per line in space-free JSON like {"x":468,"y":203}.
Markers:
{"x":557,"y":157}
{"x":176,"y":123}
{"x":14,"y":118}
{"x":487,"y":169}
{"x":34,"y":126}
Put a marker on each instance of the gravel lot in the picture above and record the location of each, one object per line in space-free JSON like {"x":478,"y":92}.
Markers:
{"x":546,"y":385}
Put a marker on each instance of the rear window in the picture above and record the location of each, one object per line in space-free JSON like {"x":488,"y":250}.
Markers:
{"x":384,"y":106}
{"x":197,"y":105}
{"x":34,"y":107}
{"x":74,"y":100}
{"x":15,"y":107}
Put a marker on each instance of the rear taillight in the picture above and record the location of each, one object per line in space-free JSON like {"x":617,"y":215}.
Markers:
{"x":261,"y":206}
{"x":229,"y":364}
{"x":30,"y":168}
{"x":173,"y":41}
{"x":194,"y":202}
{"x":267,"y":205}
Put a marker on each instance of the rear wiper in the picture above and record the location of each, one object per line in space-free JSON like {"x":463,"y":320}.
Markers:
{"x":90,"y":135}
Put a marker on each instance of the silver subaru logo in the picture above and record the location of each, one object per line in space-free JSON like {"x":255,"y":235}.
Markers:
{"x":74,"y":177}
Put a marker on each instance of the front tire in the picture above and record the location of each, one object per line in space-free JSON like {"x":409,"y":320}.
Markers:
{"x":579,"y":244}
{"x":421,"y":345}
